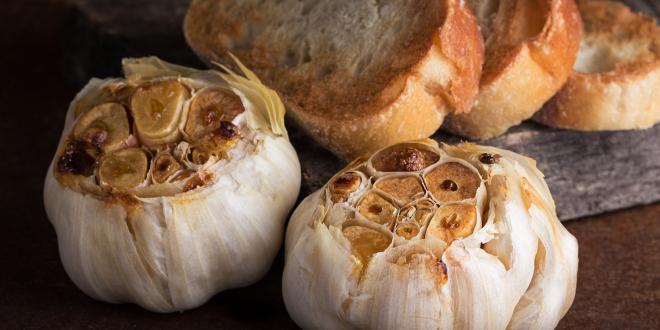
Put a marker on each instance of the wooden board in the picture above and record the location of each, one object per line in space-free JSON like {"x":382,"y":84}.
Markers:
{"x":588,"y":173}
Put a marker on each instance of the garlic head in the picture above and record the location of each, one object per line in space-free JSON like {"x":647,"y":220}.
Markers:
{"x":419,"y":237}
{"x":165,"y":189}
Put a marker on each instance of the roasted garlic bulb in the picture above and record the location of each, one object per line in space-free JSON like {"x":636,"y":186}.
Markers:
{"x":171,"y":185}
{"x":419,"y":237}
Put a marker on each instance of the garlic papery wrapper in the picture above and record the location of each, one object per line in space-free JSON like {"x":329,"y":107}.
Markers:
{"x":421,"y":237}
{"x":162,"y":211}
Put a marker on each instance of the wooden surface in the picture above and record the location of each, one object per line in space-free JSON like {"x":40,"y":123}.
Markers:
{"x":619,"y":275}
{"x":588,"y":173}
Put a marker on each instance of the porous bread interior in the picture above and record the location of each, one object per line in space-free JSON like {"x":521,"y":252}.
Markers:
{"x":351,"y":55}
{"x":613,"y":37}
{"x":598,"y":54}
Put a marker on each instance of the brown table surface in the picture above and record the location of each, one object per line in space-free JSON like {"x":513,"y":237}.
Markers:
{"x":619,"y":275}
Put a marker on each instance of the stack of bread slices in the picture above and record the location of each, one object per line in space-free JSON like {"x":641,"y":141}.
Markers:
{"x":360,"y":75}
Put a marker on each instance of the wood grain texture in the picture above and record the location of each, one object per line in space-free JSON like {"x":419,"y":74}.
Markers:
{"x":588,"y":173}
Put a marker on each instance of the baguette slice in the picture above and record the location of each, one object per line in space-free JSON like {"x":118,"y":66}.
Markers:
{"x":531,"y":46}
{"x":616,"y":83}
{"x":355,"y":75}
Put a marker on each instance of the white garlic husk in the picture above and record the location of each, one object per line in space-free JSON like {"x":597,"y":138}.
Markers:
{"x":170,"y":246}
{"x":511,"y":264}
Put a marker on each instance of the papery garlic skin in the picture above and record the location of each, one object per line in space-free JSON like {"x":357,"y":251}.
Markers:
{"x":517,"y":269}
{"x":174,"y":250}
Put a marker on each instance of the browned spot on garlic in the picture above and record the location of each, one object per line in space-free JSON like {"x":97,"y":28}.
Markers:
{"x":452,"y":181}
{"x":366,"y":241}
{"x":403,"y":188}
{"x":439,"y":269}
{"x":124,"y":169}
{"x":342,"y":186}
{"x":199,"y":180}
{"x":489,"y":159}
{"x":209,"y":108}
{"x":407,"y":230}
{"x":217,"y":143}
{"x":403,"y":158}
{"x":452,"y":221}
{"x":434,"y":265}
{"x":377,"y":209}
{"x":75,"y":160}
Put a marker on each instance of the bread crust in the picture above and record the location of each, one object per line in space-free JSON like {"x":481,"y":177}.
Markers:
{"x":627,"y":95}
{"x":518,"y":77}
{"x":410,"y":103}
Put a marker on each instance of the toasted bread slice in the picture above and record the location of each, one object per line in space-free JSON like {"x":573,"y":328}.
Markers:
{"x":356,"y":75}
{"x":531,"y":46}
{"x":616,"y":83}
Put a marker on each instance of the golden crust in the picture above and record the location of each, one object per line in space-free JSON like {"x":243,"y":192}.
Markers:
{"x":622,"y":94}
{"x":524,"y":66}
{"x":408,"y":101}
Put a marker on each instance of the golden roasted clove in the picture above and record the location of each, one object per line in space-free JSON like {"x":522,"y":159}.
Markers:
{"x":452,"y":181}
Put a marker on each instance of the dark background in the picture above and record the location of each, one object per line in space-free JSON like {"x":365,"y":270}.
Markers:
{"x":43,"y":51}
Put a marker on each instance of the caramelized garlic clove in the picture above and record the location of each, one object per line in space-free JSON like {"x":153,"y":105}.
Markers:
{"x":124,"y":169}
{"x":407,"y":230}
{"x":452,"y":181}
{"x":452,"y":222}
{"x":208,"y":109}
{"x":164,"y":166}
{"x":377,"y":209}
{"x":403,"y":158}
{"x":105,"y":127}
{"x":75,"y":160}
{"x":403,"y":188}
{"x":342,"y":186}
{"x":218,"y":142}
{"x":366,"y":242}
{"x":156,"y":109}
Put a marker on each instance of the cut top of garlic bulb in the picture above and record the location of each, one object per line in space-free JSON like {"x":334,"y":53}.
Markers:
{"x":171,"y":184}
{"x":416,"y":236}
{"x":162,"y":129}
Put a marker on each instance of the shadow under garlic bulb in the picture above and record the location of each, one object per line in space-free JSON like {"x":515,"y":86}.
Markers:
{"x":419,"y":237}
{"x":171,"y":184}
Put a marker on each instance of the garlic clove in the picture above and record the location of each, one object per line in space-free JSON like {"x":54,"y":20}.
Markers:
{"x":452,"y":222}
{"x":164,"y":166}
{"x":75,"y":160}
{"x":403,"y":188}
{"x":403,"y":158}
{"x":377,"y":209}
{"x":407,"y":230}
{"x":208,"y":108}
{"x":342,"y":186}
{"x":217,"y":142}
{"x":124,"y":169}
{"x":156,"y":109}
{"x":366,"y":242}
{"x":452,"y":181}
{"x":105,"y":127}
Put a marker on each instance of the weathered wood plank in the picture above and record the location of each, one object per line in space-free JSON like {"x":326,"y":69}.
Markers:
{"x":588,"y":173}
